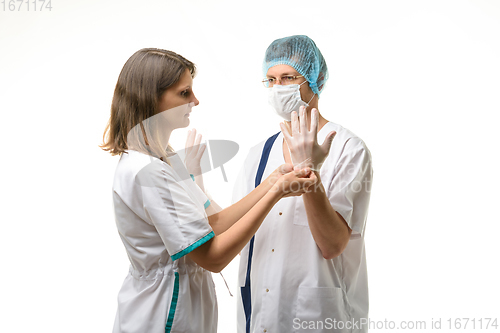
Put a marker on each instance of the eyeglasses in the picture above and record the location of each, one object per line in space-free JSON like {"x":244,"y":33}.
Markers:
{"x":284,"y":80}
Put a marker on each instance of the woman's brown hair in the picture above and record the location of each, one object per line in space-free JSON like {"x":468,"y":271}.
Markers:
{"x":144,"y":78}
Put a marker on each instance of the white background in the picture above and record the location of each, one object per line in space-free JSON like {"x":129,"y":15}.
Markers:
{"x":418,"y":81}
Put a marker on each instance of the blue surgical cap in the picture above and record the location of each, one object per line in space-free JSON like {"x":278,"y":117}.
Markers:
{"x":303,"y":55}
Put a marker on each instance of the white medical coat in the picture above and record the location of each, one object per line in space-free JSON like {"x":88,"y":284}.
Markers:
{"x":293,"y":288}
{"x":160,"y":215}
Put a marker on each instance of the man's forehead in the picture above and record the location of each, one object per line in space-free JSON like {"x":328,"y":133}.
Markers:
{"x":280,"y":70}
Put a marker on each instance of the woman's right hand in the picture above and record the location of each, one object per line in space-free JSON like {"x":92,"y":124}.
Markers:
{"x":194,"y":151}
{"x":295,"y":182}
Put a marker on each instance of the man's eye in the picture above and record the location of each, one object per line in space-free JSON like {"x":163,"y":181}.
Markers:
{"x":287,"y":78}
{"x":271,"y":80}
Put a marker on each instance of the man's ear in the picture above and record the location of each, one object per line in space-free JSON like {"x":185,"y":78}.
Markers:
{"x":320,"y":78}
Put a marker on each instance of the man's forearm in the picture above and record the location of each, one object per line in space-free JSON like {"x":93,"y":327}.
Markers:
{"x":328,"y":228}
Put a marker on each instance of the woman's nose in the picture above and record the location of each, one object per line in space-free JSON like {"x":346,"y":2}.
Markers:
{"x":195,"y":100}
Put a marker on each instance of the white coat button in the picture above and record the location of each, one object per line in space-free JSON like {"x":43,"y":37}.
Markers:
{"x":272,"y":250}
{"x":267,"y":290}
{"x":281,"y":213}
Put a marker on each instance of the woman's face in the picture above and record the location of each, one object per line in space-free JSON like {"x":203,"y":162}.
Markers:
{"x":173,"y":103}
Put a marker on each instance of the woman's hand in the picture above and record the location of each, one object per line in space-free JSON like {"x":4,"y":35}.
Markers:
{"x":295,"y":182}
{"x":302,"y":143}
{"x":194,"y":152}
{"x":276,"y":174}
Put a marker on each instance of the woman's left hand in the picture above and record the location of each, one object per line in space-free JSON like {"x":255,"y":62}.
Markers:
{"x":194,"y":152}
{"x":303,"y":144}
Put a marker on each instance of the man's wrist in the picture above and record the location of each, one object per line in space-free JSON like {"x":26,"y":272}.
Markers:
{"x":317,"y":187}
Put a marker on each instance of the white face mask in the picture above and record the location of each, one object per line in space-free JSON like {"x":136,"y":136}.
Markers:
{"x":285,"y":99}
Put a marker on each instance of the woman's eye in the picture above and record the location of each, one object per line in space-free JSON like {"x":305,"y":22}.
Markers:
{"x":184,"y":93}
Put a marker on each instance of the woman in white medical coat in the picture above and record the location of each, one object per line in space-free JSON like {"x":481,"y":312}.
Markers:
{"x":173,"y":236}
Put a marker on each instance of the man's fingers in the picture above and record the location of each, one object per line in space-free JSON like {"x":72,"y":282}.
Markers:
{"x":295,"y":123}
{"x":314,"y":121}
{"x":288,"y":125}
{"x":303,"y":120}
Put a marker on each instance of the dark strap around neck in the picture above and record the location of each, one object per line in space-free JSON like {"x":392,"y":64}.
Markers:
{"x":245,"y":291}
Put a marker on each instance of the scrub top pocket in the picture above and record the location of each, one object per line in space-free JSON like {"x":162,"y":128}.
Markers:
{"x":319,"y":307}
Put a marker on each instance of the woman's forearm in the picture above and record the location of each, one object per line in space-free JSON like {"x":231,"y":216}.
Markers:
{"x":223,"y":220}
{"x":219,"y":251}
{"x":215,"y":254}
